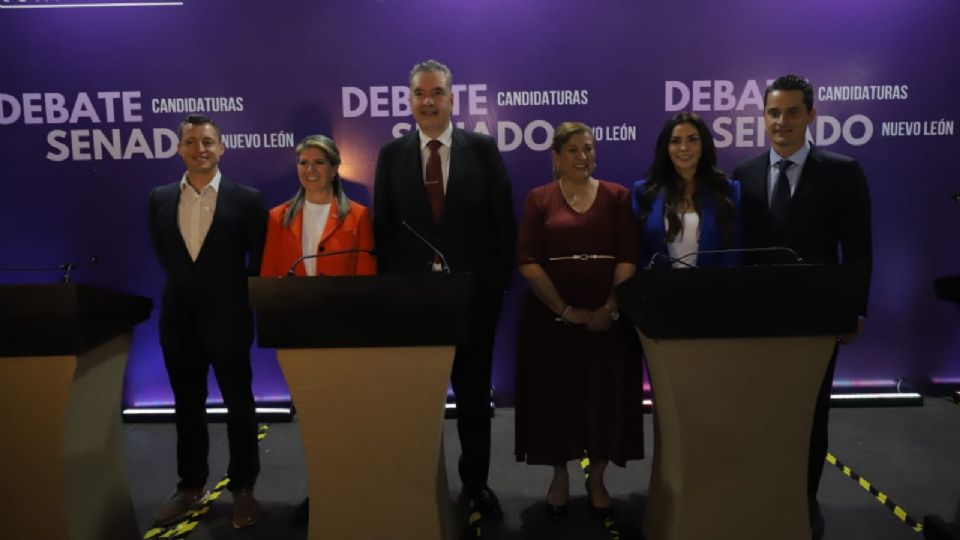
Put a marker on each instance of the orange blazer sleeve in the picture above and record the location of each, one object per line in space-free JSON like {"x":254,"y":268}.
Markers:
{"x":366,"y":262}
{"x":281,"y":249}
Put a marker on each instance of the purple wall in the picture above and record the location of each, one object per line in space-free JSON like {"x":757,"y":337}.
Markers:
{"x":301,"y":69}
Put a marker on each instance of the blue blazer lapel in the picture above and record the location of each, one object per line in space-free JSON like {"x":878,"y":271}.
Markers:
{"x":709,"y":235}
{"x":656,"y":230}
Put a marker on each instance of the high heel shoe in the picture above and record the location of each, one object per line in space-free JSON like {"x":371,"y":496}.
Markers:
{"x":555,"y":511}
{"x":602,"y":512}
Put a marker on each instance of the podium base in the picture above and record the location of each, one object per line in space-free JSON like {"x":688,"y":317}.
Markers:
{"x":733,"y":420}
{"x":62,"y":452}
{"x":371,"y":421}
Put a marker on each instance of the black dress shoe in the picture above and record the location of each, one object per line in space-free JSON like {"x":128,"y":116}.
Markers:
{"x":485,"y":501}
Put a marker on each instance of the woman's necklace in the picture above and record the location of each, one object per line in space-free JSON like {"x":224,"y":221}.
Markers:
{"x":573,"y":199}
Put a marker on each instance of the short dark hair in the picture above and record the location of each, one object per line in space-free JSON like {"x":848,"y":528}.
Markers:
{"x":792,"y":82}
{"x":197,"y":120}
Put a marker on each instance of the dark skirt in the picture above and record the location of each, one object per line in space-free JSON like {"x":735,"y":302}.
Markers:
{"x":577,"y":391}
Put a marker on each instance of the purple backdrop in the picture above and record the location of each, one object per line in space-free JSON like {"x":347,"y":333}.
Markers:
{"x":89,"y":98}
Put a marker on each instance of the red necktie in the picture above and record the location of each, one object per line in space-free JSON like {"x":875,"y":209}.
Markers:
{"x":434,"y":179}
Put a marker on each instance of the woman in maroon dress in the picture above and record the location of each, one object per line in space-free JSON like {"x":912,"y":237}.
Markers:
{"x":579,"y":379}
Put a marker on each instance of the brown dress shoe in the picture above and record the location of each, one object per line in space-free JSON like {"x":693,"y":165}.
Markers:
{"x":177,"y":506}
{"x":246,"y":511}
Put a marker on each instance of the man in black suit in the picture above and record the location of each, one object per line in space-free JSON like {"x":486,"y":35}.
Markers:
{"x":208,"y":233}
{"x":451,"y":187}
{"x":814,"y":202}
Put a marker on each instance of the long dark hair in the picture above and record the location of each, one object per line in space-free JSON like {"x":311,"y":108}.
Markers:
{"x":329,"y":148}
{"x":663,"y":176}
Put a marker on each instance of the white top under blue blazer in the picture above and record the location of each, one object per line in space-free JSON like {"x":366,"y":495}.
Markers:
{"x":653,"y":231}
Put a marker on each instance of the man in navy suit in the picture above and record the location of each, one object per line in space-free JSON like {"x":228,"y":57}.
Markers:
{"x":814,"y":202}
{"x":208,"y":234}
{"x":452,"y":188}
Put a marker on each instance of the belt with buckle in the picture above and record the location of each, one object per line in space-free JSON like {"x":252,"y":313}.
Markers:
{"x":581,"y":257}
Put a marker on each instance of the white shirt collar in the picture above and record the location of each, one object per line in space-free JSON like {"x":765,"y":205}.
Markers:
{"x":215,"y":183}
{"x":798,"y":158}
{"x":446,"y":137}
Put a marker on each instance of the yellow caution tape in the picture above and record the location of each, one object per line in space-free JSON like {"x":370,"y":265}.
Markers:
{"x":877,"y":494}
{"x":608,"y":522}
{"x":180,"y":529}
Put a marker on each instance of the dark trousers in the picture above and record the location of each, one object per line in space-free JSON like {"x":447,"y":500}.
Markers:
{"x":187,"y":368}
{"x":472,"y":367}
{"x":819,"y":435}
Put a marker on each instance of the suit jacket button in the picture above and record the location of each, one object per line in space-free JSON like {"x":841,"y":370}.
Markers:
{"x":320,"y":249}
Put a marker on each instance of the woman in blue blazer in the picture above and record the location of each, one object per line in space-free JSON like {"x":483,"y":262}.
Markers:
{"x":686,"y":204}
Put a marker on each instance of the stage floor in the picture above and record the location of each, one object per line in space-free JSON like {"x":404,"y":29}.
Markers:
{"x":910,"y":454}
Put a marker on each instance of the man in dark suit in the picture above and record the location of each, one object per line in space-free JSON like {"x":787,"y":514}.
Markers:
{"x":451,"y":187}
{"x":814,"y":202}
{"x":208,"y":234}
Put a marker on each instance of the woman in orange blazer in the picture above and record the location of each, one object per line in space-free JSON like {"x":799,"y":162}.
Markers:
{"x":319,"y":219}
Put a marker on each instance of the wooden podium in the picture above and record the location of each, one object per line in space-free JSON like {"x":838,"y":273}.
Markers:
{"x":367,"y":360}
{"x":62,"y":356}
{"x":736,"y":357}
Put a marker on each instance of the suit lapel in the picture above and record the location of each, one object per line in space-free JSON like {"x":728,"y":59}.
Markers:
{"x":224,"y":199}
{"x":755,"y":184}
{"x":455,"y":180}
{"x":708,"y":217}
{"x":332,"y":221}
{"x":412,"y":175}
{"x":754,"y":205}
{"x":296,"y":228}
{"x":810,"y":177}
{"x":170,"y":220}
